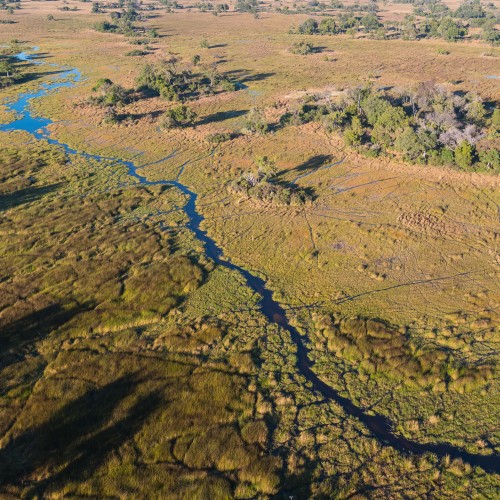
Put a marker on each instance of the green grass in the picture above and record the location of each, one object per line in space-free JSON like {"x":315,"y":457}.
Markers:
{"x":132,"y":366}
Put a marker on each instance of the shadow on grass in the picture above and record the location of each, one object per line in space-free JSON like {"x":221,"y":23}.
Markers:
{"x":312,"y":163}
{"x":76,"y":439}
{"x":35,"y":325}
{"x":244,"y":76}
{"x":137,"y":116}
{"x":26,"y":195}
{"x":221,"y":116}
{"x":16,"y":337}
{"x":34,"y":75}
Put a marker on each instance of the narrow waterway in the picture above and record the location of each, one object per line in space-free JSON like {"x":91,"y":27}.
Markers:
{"x":380,"y":426}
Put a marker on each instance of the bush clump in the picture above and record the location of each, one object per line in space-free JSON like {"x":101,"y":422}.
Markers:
{"x":302,"y":48}
{"x":264,"y":185}
{"x":178,"y":116}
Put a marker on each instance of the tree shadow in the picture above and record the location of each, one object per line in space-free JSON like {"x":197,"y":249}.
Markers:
{"x":218,"y":46}
{"x":313,"y":163}
{"x":244,"y":75}
{"x":257,"y":77}
{"x":40,"y":55}
{"x":26,"y":195}
{"x":76,"y":439}
{"x":34,"y":75}
{"x":137,"y":116}
{"x":221,"y":116}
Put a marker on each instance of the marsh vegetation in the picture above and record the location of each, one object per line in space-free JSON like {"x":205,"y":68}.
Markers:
{"x":232,"y":271}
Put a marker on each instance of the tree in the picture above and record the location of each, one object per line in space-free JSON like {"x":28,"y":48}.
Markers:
{"x":370,"y":22}
{"x":110,"y":94}
{"x":390,"y":123}
{"x":308,"y":27}
{"x":267,"y":166}
{"x":353,"y":136}
{"x":255,"y":122}
{"x":470,"y":9}
{"x":327,"y":26}
{"x":450,"y":30}
{"x":490,"y":159}
{"x":490,"y":34}
{"x":373,"y":106}
{"x":464,"y":155}
{"x":196,"y":59}
{"x":475,"y":110}
{"x":495,"y":123}
{"x":6,"y":69}
{"x":415,"y":144}
{"x":178,"y":116}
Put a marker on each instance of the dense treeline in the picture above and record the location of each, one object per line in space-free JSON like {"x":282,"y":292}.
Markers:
{"x":430,"y":19}
{"x":428,"y":124}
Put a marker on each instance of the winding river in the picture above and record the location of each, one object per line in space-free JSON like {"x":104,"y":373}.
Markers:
{"x":380,"y":426}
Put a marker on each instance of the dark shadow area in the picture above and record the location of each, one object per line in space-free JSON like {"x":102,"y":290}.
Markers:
{"x":243,"y":75}
{"x":40,"y":55}
{"x":297,"y":486}
{"x":18,"y":335}
{"x":308,"y":191}
{"x":29,"y":77}
{"x":76,"y":439}
{"x":218,"y":46}
{"x":313,"y":163}
{"x":221,"y":116}
{"x":138,"y":116}
{"x":257,"y":77}
{"x":26,"y":195}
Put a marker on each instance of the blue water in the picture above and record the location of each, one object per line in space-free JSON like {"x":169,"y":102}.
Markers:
{"x":379,"y":425}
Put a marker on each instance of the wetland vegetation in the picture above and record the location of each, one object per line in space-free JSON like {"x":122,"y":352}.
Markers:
{"x":249,"y":261}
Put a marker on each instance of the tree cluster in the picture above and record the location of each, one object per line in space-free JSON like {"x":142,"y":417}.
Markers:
{"x":263,"y":185}
{"x":427,"y":124}
{"x":173,"y":81}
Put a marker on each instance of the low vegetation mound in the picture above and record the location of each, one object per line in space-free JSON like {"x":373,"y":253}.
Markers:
{"x":379,"y":349}
{"x":264,"y":185}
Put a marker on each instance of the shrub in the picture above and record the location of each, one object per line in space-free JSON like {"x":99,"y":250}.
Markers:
{"x":137,"y":52}
{"x":178,"y":116}
{"x":255,"y":122}
{"x":301,"y":48}
{"x":219,"y":137}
